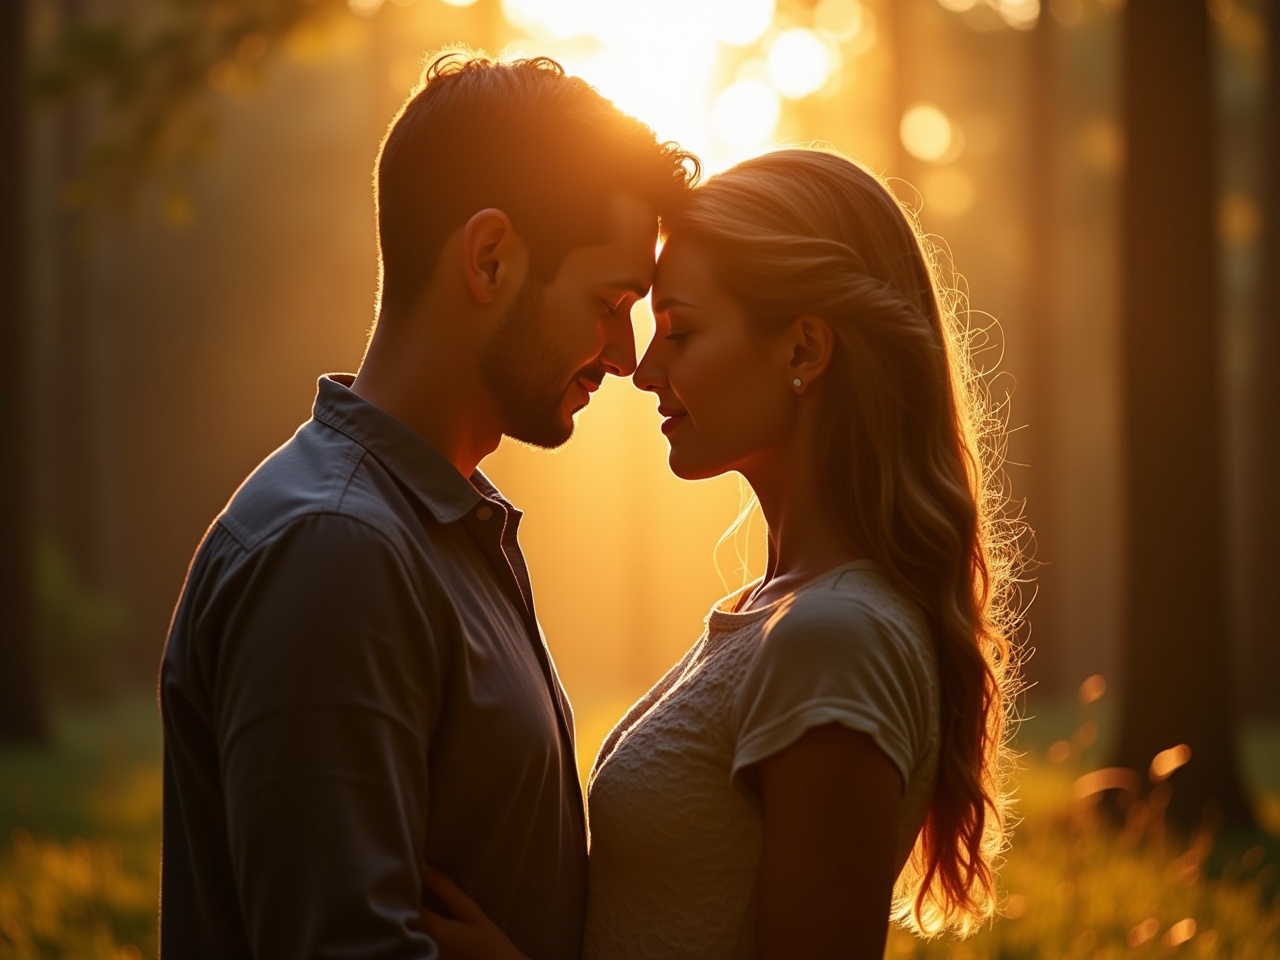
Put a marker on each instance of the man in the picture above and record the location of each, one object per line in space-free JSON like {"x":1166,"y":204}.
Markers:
{"x":355,"y":682}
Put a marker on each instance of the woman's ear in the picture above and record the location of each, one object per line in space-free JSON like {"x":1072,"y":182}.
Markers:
{"x":811,"y":343}
{"x":494,"y":258}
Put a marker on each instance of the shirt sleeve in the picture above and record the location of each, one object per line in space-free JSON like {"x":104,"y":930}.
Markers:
{"x":325,"y":693}
{"x":829,"y":659}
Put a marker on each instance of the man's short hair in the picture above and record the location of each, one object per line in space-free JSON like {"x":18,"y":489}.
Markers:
{"x":520,"y":136}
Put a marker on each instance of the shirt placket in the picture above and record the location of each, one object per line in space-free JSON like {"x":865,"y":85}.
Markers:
{"x":496,"y":533}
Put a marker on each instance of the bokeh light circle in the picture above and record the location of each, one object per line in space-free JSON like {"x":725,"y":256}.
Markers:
{"x":799,"y":62}
{"x":926,"y":132}
{"x":843,"y":19}
{"x":744,"y":22}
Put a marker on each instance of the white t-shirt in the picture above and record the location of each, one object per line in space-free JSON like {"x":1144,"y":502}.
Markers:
{"x":675,"y":829}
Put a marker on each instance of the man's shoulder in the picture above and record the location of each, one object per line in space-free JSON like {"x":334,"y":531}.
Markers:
{"x":316,"y":473}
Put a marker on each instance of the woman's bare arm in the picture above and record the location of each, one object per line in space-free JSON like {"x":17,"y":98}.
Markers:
{"x":831,"y":803}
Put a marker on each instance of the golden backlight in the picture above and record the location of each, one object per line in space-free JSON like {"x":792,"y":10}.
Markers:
{"x":624,"y":556}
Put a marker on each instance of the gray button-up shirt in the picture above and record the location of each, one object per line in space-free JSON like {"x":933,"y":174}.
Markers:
{"x":354,"y":683}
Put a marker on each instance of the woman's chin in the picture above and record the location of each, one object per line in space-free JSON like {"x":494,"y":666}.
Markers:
{"x":686,"y":469}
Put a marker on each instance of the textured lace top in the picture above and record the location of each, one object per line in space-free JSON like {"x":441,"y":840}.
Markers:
{"x":675,"y":828}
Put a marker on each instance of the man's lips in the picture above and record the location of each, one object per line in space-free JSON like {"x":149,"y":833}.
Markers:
{"x":588,"y":385}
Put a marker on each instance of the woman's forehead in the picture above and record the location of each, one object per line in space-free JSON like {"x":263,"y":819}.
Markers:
{"x":682,"y":263}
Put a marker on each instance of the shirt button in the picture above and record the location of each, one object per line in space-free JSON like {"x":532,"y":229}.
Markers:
{"x":484,"y":513}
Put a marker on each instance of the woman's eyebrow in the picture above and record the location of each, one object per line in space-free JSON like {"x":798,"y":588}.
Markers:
{"x":666,"y":303}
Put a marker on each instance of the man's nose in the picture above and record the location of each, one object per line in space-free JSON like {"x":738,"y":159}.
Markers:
{"x":619,"y":354}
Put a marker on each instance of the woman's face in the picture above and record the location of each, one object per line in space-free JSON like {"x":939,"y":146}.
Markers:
{"x":722,"y":388}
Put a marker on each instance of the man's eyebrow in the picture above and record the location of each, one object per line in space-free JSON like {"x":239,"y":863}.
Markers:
{"x":662,"y":306}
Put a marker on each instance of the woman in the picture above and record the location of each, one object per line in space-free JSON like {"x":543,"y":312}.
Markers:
{"x":830,"y":754}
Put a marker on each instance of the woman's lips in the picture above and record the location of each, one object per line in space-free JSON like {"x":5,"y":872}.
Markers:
{"x":672,"y":421}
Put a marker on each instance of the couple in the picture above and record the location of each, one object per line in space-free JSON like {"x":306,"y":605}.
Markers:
{"x":368,"y":752}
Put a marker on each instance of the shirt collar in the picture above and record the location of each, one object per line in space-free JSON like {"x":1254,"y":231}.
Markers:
{"x":446,"y":493}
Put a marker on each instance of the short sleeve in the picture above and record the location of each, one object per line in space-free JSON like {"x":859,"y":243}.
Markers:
{"x":832,"y":658}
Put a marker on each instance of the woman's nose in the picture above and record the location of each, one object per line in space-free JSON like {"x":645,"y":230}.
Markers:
{"x":649,"y":374}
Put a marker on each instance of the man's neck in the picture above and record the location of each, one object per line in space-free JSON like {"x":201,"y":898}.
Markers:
{"x":435,"y":392}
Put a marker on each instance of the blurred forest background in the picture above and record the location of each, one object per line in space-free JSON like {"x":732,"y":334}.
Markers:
{"x":188,"y":242}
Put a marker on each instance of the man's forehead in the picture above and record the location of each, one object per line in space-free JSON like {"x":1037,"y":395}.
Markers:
{"x":632,"y":215}
{"x":625,"y":260}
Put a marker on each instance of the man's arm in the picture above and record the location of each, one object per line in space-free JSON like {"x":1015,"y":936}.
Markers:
{"x":325,"y":690}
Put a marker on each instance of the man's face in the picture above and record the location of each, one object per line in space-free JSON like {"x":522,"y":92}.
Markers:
{"x":559,"y":340}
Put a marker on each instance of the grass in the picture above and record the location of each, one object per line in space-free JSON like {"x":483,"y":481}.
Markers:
{"x":1076,"y":888}
{"x":79,"y":873}
{"x":80,"y":823}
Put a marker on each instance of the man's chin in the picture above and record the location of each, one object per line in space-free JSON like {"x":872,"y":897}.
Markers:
{"x":556,"y":425}
{"x":545,"y":436}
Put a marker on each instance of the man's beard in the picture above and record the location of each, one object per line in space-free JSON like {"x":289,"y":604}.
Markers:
{"x":524,"y":377}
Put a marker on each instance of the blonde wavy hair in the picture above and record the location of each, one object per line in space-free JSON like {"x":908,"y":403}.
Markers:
{"x":911,"y":464}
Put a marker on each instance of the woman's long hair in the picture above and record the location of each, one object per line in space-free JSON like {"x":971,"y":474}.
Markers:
{"x":910,"y":450}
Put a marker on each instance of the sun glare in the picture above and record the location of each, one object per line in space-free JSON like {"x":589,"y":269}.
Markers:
{"x":745,"y":115}
{"x":688,"y":67}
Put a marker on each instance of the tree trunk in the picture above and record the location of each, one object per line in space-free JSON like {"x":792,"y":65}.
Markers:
{"x":75,"y":476}
{"x":1261,"y":508}
{"x":1175,"y":667}
{"x":21,"y":709}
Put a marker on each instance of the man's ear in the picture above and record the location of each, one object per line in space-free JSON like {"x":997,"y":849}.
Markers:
{"x":493,"y":255}
{"x":810,"y":344}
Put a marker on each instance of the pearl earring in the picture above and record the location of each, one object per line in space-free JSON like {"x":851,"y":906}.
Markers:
{"x":797,"y":383}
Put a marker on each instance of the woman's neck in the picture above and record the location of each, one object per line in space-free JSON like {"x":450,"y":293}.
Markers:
{"x":803,"y":541}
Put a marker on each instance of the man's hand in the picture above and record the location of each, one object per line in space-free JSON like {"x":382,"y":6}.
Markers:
{"x":468,"y":934}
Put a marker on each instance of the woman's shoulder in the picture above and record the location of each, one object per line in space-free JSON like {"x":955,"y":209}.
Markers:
{"x":849,"y":648}
{"x":853,"y":602}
